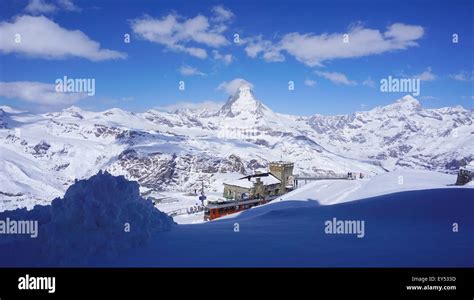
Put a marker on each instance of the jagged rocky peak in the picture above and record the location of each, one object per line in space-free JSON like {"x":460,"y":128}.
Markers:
{"x":243,"y":101}
{"x":245,"y":91}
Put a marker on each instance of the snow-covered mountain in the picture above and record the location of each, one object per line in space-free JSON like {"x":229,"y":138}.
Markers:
{"x":402,"y":134}
{"x":243,"y":104}
{"x":41,"y":155}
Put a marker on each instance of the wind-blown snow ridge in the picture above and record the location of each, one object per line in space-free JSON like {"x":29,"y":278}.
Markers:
{"x":102,"y":215}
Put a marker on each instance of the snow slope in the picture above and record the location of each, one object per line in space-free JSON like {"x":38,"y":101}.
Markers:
{"x":403,"y":229}
{"x":407,"y":229}
{"x":338,"y":191}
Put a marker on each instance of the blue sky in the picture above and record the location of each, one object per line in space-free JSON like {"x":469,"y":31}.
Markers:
{"x":193,"y":41}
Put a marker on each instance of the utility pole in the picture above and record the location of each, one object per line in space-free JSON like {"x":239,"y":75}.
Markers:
{"x":203,"y":196}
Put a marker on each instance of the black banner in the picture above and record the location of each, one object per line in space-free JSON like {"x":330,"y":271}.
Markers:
{"x":433,"y":283}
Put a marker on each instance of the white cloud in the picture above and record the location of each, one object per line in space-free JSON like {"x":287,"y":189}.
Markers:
{"x":190,"y":71}
{"x":222,"y":14}
{"x":127,"y":99}
{"x":176,"y":33}
{"x":428,"y":97}
{"x":225,"y":58}
{"x":68,"y":5}
{"x":369,"y":82}
{"x":337,"y":78}
{"x":403,"y":35}
{"x":426,"y":75}
{"x":38,"y":92}
{"x":232,"y":86}
{"x":463,"y":76}
{"x":256,"y":45}
{"x":194,"y":51}
{"x":47,"y":7}
{"x":40,"y":7}
{"x":41,"y":37}
{"x":312,"y":49}
{"x":309,"y":82}
{"x":209,"y":105}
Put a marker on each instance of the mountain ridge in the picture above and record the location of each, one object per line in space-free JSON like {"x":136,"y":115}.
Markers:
{"x":180,"y":150}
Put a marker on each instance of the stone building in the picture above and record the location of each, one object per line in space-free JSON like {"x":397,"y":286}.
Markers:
{"x":273,"y":183}
{"x":284,"y":172}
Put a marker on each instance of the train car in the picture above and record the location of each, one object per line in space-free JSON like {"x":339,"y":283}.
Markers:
{"x":220,"y":208}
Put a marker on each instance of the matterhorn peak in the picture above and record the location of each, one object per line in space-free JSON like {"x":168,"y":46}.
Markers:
{"x":242,"y":102}
{"x":245,"y":91}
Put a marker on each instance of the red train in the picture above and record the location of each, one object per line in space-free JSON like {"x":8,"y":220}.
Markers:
{"x":217,"y":209}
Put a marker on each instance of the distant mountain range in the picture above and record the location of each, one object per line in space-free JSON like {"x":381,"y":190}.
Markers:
{"x":42,"y":154}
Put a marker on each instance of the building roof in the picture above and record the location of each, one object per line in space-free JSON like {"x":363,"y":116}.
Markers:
{"x":248,"y":181}
{"x":281,"y":163}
